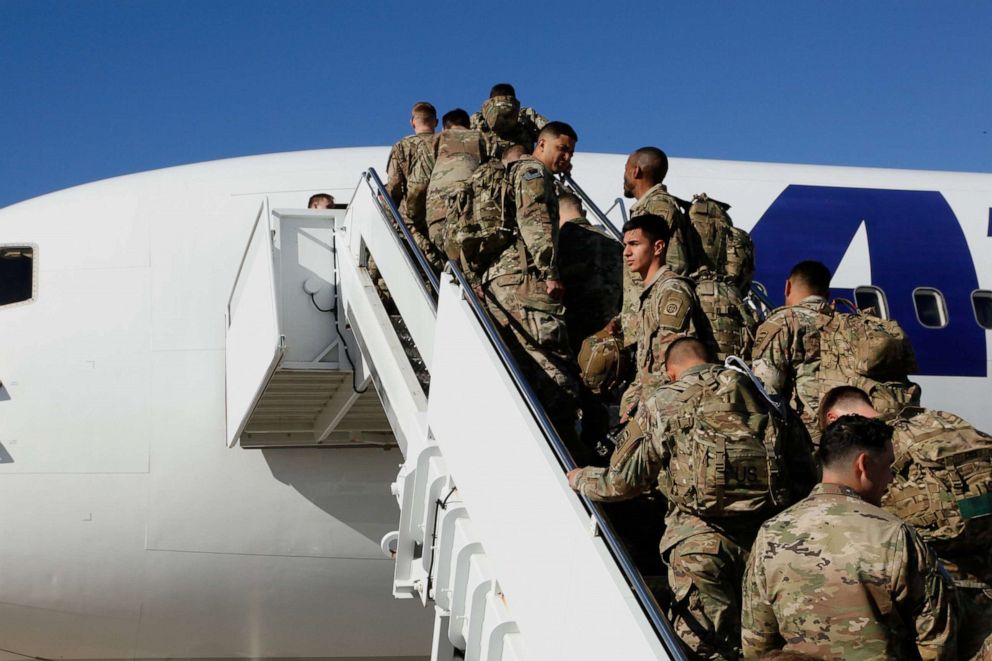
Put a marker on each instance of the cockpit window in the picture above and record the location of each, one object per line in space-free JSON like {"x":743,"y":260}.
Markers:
{"x":981,"y":301}
{"x":17,"y":274}
{"x":931,"y":310}
{"x":874,"y":298}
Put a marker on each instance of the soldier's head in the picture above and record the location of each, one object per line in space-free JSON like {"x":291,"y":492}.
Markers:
{"x":513,"y":153}
{"x":569,"y":208}
{"x":684,"y":353}
{"x":320,"y":201}
{"x":502,"y":89}
{"x":645,"y":240}
{"x":555,"y":146}
{"x":423,"y":117}
{"x":856,"y":452}
{"x":645,"y":167}
{"x":807,"y":278}
{"x":456,"y":117}
{"x":844,"y":400}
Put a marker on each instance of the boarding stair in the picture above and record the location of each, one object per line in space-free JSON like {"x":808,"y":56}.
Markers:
{"x":513,"y":562}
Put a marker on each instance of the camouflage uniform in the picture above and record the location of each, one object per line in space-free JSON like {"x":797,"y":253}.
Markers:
{"x":532,"y":323}
{"x":658,"y":202}
{"x":836,"y":577}
{"x":411,"y":161}
{"x":918,"y":494}
{"x":528,"y":125}
{"x":786,"y":356}
{"x":591,"y":264}
{"x":457,"y":153}
{"x":705,"y":556}
{"x":668,"y":310}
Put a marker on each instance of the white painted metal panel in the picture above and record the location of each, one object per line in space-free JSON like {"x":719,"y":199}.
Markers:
{"x":254,"y":341}
{"x":562,"y":584}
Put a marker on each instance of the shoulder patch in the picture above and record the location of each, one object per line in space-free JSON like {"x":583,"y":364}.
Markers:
{"x":532,"y":175}
{"x":674,"y":309}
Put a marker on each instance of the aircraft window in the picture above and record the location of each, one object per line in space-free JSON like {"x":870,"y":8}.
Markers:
{"x":930,"y":307}
{"x":17,"y":270}
{"x":872,"y":297}
{"x":981,"y":300}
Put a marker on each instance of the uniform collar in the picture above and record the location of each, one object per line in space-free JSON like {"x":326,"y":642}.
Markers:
{"x":579,"y":220}
{"x":696,"y":369}
{"x":660,"y":187}
{"x":813,"y":301}
{"x":827,"y":488}
{"x":659,"y":274}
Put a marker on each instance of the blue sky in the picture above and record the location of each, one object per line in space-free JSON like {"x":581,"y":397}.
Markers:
{"x":95,"y":89}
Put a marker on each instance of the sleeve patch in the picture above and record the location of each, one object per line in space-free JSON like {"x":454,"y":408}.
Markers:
{"x":674,"y":309}
{"x":532,"y":175}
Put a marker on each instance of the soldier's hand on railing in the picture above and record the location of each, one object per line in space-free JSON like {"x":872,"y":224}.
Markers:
{"x":556,"y":290}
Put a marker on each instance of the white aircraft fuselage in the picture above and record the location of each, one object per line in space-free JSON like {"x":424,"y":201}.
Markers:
{"x":130,"y":530}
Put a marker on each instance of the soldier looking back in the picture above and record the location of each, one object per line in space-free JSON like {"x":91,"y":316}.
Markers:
{"x":523,"y":289}
{"x":706,"y":416}
{"x":411,"y":161}
{"x":943,"y":478}
{"x":506,"y":122}
{"x":458,"y":151}
{"x":837,"y":576}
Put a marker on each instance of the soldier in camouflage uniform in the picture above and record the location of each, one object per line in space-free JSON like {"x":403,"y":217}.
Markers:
{"x":667,"y":306}
{"x":964,"y":545}
{"x":411,"y":161}
{"x":642,"y":179}
{"x":457,"y":151}
{"x":523,"y":290}
{"x":705,"y":555}
{"x":837,"y":576}
{"x":505,"y":123}
{"x":786,"y":354}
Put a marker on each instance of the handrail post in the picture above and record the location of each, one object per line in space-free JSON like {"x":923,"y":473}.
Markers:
{"x":600,"y":216}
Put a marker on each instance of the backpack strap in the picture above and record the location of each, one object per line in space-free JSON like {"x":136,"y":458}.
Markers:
{"x":738,"y":365}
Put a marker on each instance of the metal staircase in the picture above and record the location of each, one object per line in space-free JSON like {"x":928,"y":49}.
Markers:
{"x":515,"y":564}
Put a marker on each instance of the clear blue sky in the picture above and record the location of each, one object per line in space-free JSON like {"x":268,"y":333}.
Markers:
{"x":93,"y":89}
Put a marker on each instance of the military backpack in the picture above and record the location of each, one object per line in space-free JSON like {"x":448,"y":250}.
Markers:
{"x":943,"y":479}
{"x":479,"y":225}
{"x":727,"y":457}
{"x":862,"y":350}
{"x":726,"y":250}
{"x":731,"y":322}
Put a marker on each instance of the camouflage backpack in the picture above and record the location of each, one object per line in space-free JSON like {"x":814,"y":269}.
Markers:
{"x":731,"y":321}
{"x":479,"y":223}
{"x":943,"y":479}
{"x":728,"y":456}
{"x":501,"y":113}
{"x":860,"y":348}
{"x":726,"y":250}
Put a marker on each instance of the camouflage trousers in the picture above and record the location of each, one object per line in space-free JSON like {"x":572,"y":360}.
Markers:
{"x":705,"y":572}
{"x":533,"y":327}
{"x":970,"y":568}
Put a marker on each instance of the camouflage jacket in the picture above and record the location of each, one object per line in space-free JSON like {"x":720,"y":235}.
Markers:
{"x":659,"y":202}
{"x":668,"y":309}
{"x":590,"y":262}
{"x":457,"y":153}
{"x":535,"y":212}
{"x":838,"y":578}
{"x":529,"y":125}
{"x":411,"y":161}
{"x":786,"y":356}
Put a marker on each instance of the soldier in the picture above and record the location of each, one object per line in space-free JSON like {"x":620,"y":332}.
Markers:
{"x":933,"y":450}
{"x":523,"y":289}
{"x":786,"y":354}
{"x":667,"y":306}
{"x":506,"y":122}
{"x":837,"y":576}
{"x":708,"y":417}
{"x":642,"y":179}
{"x":320,"y":201}
{"x":590,"y":262}
{"x":411,"y":161}
{"x":457,"y":151}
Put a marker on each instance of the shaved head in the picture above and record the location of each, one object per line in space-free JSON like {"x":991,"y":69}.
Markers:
{"x":684,"y":353}
{"x":645,"y":168}
{"x":844,"y":400}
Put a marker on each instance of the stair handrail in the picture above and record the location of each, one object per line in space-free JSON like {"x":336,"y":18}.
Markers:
{"x":616,"y":547}
{"x":591,"y":206}
{"x":371,"y":178}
